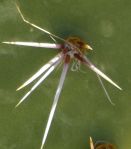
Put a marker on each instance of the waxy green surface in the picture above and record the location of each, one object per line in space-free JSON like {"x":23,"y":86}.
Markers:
{"x":83,"y":110}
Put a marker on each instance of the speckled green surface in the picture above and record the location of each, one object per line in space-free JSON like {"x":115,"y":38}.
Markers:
{"x":83,"y":109}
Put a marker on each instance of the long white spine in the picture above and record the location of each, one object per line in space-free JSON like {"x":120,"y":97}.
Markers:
{"x":100,"y":73}
{"x":41,"y":70}
{"x":56,"y":98}
{"x":34,"y":44}
{"x":39,"y":82}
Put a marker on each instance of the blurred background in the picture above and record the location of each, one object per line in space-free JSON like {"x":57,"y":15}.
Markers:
{"x":83,"y":109}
